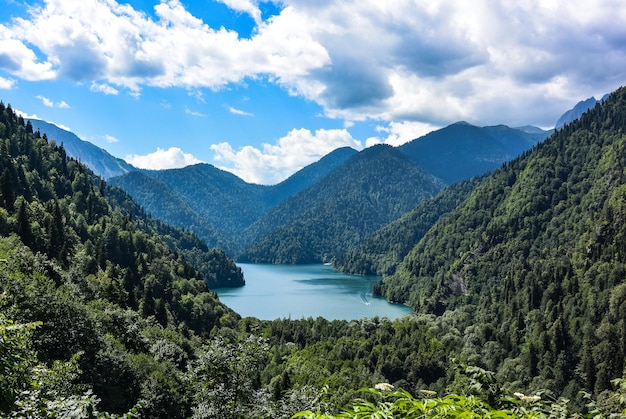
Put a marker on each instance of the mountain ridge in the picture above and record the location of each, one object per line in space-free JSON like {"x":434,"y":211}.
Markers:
{"x":97,"y":159}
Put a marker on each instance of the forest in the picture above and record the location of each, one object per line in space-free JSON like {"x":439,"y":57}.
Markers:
{"x":518,"y":293}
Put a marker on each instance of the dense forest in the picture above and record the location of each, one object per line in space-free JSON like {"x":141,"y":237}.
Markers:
{"x":518,"y":294}
{"x":215,"y":204}
{"x":381,"y":252}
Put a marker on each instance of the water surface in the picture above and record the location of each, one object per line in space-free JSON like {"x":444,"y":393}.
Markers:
{"x":301,"y":291}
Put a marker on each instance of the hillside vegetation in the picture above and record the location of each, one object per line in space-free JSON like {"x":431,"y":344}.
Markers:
{"x":536,"y":257}
{"x":382,"y":252}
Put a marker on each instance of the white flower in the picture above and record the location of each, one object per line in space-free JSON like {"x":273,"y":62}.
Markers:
{"x":383,"y":387}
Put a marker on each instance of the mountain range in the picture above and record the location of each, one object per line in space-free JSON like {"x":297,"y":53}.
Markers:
{"x":577,"y":111}
{"x":281,"y":223}
{"x":98,"y":160}
{"x":245,"y":219}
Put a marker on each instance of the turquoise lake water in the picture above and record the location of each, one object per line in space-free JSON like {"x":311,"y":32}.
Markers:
{"x":302,"y":291}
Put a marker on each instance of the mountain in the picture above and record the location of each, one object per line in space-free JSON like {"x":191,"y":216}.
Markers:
{"x":218,"y":205}
{"x":462,"y":151}
{"x":382,"y":252}
{"x":537,"y":257}
{"x":308,"y":176}
{"x":370,"y":190}
{"x":165,"y":204}
{"x":577,"y":111}
{"x":98,"y":160}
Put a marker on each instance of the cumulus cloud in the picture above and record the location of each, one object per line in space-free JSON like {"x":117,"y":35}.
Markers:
{"x":274,"y":163}
{"x":245,"y":6}
{"x":7,"y":83}
{"x":407,"y":60}
{"x":398,"y":133}
{"x":171,"y":158}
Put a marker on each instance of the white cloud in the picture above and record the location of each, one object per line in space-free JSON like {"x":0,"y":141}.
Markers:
{"x":245,"y":6}
{"x":46,"y":102}
{"x":239,"y":112}
{"x":103,"y":88}
{"x":194,"y":113}
{"x":398,"y":133}
{"x":19,"y":59}
{"x":7,"y":83}
{"x":110,"y":139}
{"x":406,"y":60}
{"x":171,"y":158}
{"x":50,"y":104}
{"x":26,"y":115}
{"x":274,"y":163}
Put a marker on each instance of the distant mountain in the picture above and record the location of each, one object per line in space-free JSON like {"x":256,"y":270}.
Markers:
{"x":308,"y":175}
{"x":98,"y":160}
{"x":371,"y":189}
{"x":577,"y":111}
{"x":165,"y":204}
{"x":462,"y":151}
{"x":218,"y":205}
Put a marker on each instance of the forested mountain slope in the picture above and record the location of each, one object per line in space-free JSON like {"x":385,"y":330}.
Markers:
{"x":537,"y":257}
{"x":382,"y":252}
{"x":99,"y":318}
{"x":461,"y":151}
{"x":220,"y":198}
{"x":216,"y":204}
{"x":97,"y":284}
{"x":308,"y":176}
{"x":370,"y":190}
{"x":164,"y":203}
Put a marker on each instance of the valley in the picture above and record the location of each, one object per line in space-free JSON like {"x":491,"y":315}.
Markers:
{"x":514,"y":277}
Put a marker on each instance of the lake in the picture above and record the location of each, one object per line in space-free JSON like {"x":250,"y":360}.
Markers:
{"x":302,"y":291}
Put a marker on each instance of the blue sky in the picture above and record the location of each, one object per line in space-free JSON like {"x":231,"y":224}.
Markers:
{"x":263,"y":88}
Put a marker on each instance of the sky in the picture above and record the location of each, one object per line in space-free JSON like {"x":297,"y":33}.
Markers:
{"x":264,"y":88}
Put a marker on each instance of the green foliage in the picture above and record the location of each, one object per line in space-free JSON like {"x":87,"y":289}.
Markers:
{"x":105,"y":312}
{"x":86,"y":264}
{"x":226,"y":375}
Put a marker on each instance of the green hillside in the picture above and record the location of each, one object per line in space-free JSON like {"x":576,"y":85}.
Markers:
{"x":97,"y":284}
{"x":382,"y":252}
{"x":519,"y":299}
{"x":536,"y":257}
